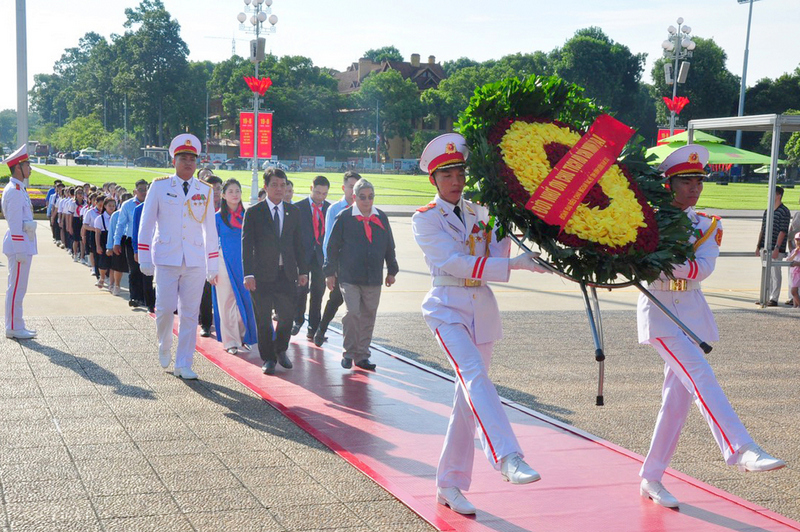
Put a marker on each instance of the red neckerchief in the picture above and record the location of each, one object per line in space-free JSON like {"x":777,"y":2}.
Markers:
{"x":319,"y":222}
{"x":367,"y":228}
{"x":236,"y":217}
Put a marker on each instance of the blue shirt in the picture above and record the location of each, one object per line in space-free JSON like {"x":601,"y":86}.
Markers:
{"x":112,"y":224}
{"x":47,"y":199}
{"x":330,"y":218}
{"x":137,"y":218}
{"x":124,"y":226}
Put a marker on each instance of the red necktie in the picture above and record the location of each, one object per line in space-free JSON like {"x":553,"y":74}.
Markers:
{"x":367,"y":229}
{"x":319,"y":222}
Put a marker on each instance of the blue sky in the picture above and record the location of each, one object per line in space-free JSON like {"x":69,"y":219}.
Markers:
{"x":334,"y":34}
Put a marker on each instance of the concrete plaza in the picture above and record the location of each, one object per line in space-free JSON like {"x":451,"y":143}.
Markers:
{"x":97,"y":437}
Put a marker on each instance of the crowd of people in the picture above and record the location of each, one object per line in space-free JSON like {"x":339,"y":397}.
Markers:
{"x":99,"y":227}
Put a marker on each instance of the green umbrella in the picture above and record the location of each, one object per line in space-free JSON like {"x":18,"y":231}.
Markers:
{"x":717,"y":154}
{"x":698,"y":137}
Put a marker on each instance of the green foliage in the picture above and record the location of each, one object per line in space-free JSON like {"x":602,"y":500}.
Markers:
{"x":8,"y":128}
{"x":387,"y":53}
{"x":555,"y":99}
{"x":397,"y":101}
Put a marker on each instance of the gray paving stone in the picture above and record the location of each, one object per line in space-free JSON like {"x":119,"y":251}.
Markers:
{"x":135,"y":505}
{"x":256,"y":520}
{"x":103,"y":451}
{"x":316,"y":517}
{"x":270,"y":476}
{"x":383,"y":513}
{"x":172,"y":523}
{"x":121,"y":484}
{"x":24,"y":515}
{"x":216,"y":500}
{"x":129,"y":465}
{"x":253,"y":459}
{"x":42,"y":490}
{"x":200,"y":480}
{"x":204,"y":461}
{"x":277,"y":494}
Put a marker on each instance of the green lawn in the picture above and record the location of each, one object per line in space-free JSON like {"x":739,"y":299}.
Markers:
{"x":390,"y":189}
{"x":400,"y":189}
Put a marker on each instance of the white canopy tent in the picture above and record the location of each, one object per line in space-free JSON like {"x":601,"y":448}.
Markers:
{"x":777,"y":124}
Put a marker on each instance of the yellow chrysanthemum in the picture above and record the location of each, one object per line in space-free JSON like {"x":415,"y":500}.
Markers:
{"x":523,"y":150}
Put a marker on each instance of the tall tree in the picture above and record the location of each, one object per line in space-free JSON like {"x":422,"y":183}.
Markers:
{"x":397,"y":102}
{"x":610,"y":73}
{"x":8,"y":128}
{"x":387,"y":53}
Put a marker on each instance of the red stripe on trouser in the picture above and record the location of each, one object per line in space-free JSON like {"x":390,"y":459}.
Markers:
{"x":14,"y":298}
{"x":469,"y":399}
{"x":697,"y":392}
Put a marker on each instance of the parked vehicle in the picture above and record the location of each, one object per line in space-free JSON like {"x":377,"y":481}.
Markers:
{"x":236,"y":163}
{"x":88,"y":160}
{"x":51,"y":160}
{"x":277,"y":164}
{"x":148,"y":162}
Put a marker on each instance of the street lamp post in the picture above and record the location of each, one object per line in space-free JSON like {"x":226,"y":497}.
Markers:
{"x":744,"y":69}
{"x":260,"y":12}
{"x":677,"y":47}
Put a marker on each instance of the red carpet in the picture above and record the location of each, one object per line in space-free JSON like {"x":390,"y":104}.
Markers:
{"x":390,"y":425}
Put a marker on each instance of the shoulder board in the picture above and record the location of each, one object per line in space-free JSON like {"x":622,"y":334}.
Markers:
{"x":714,"y":216}
{"x":162,"y":178}
{"x":427,"y":207}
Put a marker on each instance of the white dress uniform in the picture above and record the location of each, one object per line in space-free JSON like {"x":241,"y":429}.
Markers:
{"x":466,"y":322}
{"x":19,"y":243}
{"x":687,"y":375}
{"x":178,"y":235}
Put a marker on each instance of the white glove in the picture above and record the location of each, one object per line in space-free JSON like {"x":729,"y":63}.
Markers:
{"x":526,"y":262}
{"x":21,"y":258}
{"x":147,"y":268}
{"x":211,"y":277}
{"x":29,"y":227}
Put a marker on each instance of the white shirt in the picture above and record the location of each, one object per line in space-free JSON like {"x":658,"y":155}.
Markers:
{"x":101,"y":220}
{"x":272,"y":212}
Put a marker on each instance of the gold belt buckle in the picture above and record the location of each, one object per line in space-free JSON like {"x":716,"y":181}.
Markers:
{"x":472,"y":282}
{"x":677,"y":285}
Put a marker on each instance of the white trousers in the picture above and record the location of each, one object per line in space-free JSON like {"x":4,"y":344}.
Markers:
{"x":178,"y":287}
{"x":230,"y":320}
{"x":775,"y":279}
{"x":476,"y":405}
{"x":688,"y":377}
{"x":18,"y":274}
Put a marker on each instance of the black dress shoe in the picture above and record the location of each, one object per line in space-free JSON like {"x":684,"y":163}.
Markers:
{"x":310,"y":335}
{"x":283,"y":360}
{"x":133,"y":303}
{"x":366,"y":364}
{"x":772,"y":303}
{"x":295,"y":329}
{"x":319,"y":338}
{"x":205,"y":332}
{"x":151,"y":310}
{"x":268,"y":368}
{"x":347,"y":363}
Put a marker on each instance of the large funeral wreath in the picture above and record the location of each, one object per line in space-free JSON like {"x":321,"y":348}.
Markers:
{"x":518,"y":130}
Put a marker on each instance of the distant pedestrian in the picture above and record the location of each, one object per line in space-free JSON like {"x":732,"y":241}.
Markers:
{"x":781,"y":217}
{"x":101,"y":226}
{"x":794,"y":271}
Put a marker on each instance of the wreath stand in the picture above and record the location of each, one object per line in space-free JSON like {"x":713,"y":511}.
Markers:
{"x":592,"y":305}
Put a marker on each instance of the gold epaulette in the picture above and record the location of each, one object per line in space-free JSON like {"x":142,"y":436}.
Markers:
{"x":162,"y":178}
{"x":427,"y":207}
{"x":712,"y":216}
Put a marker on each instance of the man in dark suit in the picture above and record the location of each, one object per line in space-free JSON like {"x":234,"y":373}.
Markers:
{"x":274,"y":263}
{"x":312,"y":232}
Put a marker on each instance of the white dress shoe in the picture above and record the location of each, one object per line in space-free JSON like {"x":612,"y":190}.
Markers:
{"x":515,"y":470}
{"x":20,"y":334}
{"x":185,"y":373}
{"x":453,"y":498}
{"x":655,"y":490}
{"x":751,"y":457}
{"x":165,"y":358}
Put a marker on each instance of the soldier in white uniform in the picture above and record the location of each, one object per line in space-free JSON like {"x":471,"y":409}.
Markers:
{"x":463,"y":254}
{"x":19,"y":244}
{"x":178,"y":242}
{"x":687,"y":375}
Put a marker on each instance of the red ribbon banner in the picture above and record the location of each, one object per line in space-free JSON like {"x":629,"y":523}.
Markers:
{"x":557,"y":197}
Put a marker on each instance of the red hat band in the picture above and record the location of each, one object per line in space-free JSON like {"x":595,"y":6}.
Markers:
{"x":186,"y":148}
{"x":685,"y":168}
{"x":16,"y":160}
{"x":445,"y":159}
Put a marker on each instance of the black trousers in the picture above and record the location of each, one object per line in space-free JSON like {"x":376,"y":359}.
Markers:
{"x":134,"y":273}
{"x":148,"y":291}
{"x":335,"y":301}
{"x":280,"y":296}
{"x":316,"y":287}
{"x":207,"y":308}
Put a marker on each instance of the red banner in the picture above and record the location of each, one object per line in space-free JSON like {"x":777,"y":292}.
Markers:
{"x":264,"y":135}
{"x":557,"y":197}
{"x":664,"y":133}
{"x":246,"y":132}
